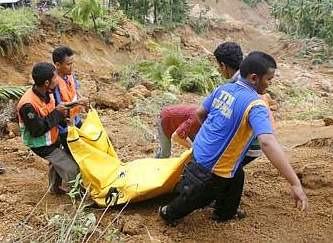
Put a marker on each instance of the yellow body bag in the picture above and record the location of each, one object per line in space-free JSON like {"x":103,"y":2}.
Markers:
{"x":111,"y":181}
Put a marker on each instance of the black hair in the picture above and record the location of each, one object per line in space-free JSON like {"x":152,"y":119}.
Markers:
{"x":257,"y":62}
{"x":60,"y":53}
{"x":41,"y":72}
{"x":230,"y":53}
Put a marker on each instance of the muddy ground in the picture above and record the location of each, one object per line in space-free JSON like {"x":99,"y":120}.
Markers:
{"x":271,"y":215}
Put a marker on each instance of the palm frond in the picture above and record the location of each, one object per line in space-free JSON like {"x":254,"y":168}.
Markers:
{"x":11,"y":92}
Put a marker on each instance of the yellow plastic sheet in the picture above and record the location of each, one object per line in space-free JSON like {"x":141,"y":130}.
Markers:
{"x":111,"y":181}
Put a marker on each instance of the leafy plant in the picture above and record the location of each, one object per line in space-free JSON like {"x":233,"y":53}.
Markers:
{"x":59,"y":224}
{"x":11,"y":92}
{"x":305,"y":18}
{"x":159,"y":12}
{"x":15,"y":27}
{"x":130,"y":76}
{"x":86,"y":10}
{"x":90,"y":14}
{"x":76,"y":188}
{"x":192,"y":74}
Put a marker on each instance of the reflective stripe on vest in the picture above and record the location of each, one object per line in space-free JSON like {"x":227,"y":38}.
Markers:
{"x":228,"y":163}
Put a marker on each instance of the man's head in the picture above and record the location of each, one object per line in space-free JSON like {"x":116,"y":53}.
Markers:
{"x":63,"y":59}
{"x":259,"y":69}
{"x":229,"y":55}
{"x":44,"y":76}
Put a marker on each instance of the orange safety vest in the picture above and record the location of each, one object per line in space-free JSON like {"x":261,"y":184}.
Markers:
{"x":68,"y":93}
{"x":43,"y":109}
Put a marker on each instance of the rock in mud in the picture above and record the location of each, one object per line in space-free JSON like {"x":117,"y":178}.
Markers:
{"x":13,"y":129}
{"x":114,"y":97}
{"x":140,"y":91}
{"x":149,"y":85}
{"x":133,"y":225}
{"x":116,"y":103}
{"x":328,"y":121}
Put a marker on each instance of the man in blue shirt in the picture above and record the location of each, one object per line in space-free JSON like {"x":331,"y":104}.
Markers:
{"x":233,"y":115}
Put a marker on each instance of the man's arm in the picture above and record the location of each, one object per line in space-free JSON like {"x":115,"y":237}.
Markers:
{"x":186,"y":142}
{"x":37,"y":125}
{"x":278,"y":158}
{"x":181,"y":135}
{"x":201,"y":114}
{"x":262,"y":128}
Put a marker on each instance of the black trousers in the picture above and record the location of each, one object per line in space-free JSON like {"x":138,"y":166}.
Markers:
{"x":199,"y":187}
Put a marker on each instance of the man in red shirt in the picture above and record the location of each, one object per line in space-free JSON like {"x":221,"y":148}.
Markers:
{"x":179,"y":123}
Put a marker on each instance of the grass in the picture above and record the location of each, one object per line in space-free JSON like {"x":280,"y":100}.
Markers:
{"x":75,"y":225}
{"x":15,"y":27}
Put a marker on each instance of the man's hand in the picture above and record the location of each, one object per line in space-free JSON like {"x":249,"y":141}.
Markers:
{"x":62,"y":108}
{"x":187,"y":143}
{"x":83,"y":101}
{"x":301,"y":201}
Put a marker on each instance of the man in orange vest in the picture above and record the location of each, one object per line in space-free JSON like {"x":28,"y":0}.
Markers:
{"x":67,"y":89}
{"x":39,"y":118}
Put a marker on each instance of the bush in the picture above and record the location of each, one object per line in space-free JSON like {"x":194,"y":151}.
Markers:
{"x":90,"y":14}
{"x":15,"y":27}
{"x":305,"y":18}
{"x":160,"y":12}
{"x":190,"y":74}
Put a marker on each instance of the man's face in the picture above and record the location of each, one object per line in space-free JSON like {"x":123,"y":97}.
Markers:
{"x":51,"y":84}
{"x":265,"y":81}
{"x":66,"y":67}
{"x":225,"y":71}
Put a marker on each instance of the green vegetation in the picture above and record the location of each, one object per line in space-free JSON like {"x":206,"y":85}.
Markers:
{"x":90,"y":13}
{"x":15,"y":28}
{"x":158,"y":12}
{"x":252,"y":3}
{"x":305,"y":18}
{"x":173,"y":69}
{"x":11,"y":92}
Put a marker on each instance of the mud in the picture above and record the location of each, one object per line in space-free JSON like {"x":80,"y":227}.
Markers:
{"x":271,"y":215}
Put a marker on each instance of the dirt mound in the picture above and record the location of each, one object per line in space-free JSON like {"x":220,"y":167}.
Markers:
{"x":237,"y":10}
{"x":318,"y":143}
{"x":317,"y":175}
{"x":93,"y":56}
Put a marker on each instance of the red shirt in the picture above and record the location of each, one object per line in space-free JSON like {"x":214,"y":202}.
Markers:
{"x":180,"y":118}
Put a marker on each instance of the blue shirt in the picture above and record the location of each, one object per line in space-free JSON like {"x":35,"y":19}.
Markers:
{"x":236,"y":114}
